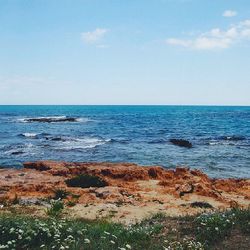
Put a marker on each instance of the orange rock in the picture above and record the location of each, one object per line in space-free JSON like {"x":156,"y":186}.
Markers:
{"x":127,"y":184}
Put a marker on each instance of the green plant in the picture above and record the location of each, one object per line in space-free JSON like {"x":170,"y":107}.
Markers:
{"x":19,"y":232}
{"x":242,"y":219}
{"x":60,"y":194}
{"x":185,"y":244}
{"x":215,"y":226}
{"x":56,"y":208}
{"x":71,"y":203}
{"x":86,"y":181}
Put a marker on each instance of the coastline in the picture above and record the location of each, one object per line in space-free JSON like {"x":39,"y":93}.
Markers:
{"x":125,"y":193}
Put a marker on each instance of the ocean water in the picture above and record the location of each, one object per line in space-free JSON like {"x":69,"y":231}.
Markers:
{"x":138,"y":134}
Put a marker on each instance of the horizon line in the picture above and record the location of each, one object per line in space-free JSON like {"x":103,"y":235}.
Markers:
{"x":204,"y":105}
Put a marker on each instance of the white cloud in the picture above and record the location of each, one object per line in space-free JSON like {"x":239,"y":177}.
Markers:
{"x":174,"y":41}
{"x":229,"y":13}
{"x":215,"y":38}
{"x":94,"y":36}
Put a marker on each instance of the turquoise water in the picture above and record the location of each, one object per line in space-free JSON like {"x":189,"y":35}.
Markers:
{"x":139,"y":134}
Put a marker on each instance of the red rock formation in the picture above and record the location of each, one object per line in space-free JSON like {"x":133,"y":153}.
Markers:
{"x":127,"y":183}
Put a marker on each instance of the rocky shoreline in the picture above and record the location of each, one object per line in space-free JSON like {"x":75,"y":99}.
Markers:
{"x":128,"y":192}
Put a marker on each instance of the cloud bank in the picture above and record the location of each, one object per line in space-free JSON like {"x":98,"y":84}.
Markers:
{"x":215,"y":38}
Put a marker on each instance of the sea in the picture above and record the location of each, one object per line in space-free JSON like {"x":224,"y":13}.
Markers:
{"x":220,"y":136}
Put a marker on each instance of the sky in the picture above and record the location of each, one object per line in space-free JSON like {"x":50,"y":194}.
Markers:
{"x":159,"y":52}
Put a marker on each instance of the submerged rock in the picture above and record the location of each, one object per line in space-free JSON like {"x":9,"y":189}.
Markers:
{"x":181,"y":143}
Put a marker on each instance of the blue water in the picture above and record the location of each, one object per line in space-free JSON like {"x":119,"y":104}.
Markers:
{"x":139,"y":134}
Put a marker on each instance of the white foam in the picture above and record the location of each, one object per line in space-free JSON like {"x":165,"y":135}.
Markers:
{"x":30,"y":135}
{"x":83,"y":119}
{"x":25,"y":149}
{"x":81,"y":143}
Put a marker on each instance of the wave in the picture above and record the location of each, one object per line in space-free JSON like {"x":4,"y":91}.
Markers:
{"x":53,"y":119}
{"x":232,"y":138}
{"x":228,"y":140}
{"x":80,"y":143}
{"x":29,"y":135}
{"x":21,"y":149}
{"x":122,"y":141}
{"x":214,"y":142}
{"x":158,"y":141}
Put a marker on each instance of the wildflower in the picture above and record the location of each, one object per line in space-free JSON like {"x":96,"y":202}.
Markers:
{"x":128,"y":246}
{"x":87,"y":241}
{"x":216,"y":228}
{"x":112,"y":242}
{"x":114,"y":236}
{"x":4,"y":246}
{"x":106,"y":232}
{"x":42,"y":246}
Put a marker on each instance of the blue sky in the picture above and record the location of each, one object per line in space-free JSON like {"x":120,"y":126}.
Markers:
{"x":125,"y":52}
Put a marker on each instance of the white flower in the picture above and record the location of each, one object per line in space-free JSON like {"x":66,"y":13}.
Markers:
{"x":42,"y":246}
{"x":112,"y":242}
{"x":106,"y":232}
{"x":216,"y":228}
{"x":87,"y":241}
{"x":128,"y":246}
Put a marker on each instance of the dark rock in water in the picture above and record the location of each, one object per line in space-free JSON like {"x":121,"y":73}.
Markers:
{"x":56,"y":139}
{"x":17,"y":152}
{"x":181,"y":143}
{"x":201,"y":204}
{"x":51,"y":119}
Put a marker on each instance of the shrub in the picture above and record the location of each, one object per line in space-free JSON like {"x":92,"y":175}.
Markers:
{"x":86,"y":181}
{"x":60,"y":194}
{"x":56,"y":208}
